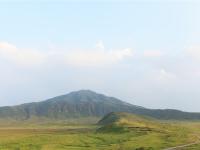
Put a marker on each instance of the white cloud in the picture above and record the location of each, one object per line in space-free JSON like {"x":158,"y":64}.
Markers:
{"x":20,"y":56}
{"x":97,"y":57}
{"x":5,"y":45}
{"x":194,"y":52}
{"x":100,"y":45}
{"x":153,"y":53}
{"x":165,"y":76}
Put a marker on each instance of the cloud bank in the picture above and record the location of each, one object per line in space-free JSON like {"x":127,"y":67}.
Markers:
{"x":153,"y":53}
{"x":10,"y":52}
{"x":97,"y":58}
{"x":84,"y":58}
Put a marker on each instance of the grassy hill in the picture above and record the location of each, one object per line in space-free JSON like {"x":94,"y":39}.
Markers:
{"x":125,"y":122}
{"x":150,"y":133}
{"x":85,"y":103}
{"x":123,"y":118}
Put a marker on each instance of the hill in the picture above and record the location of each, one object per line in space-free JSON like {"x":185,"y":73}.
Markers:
{"x":122,"y":122}
{"x":123,"y":118}
{"x":85,"y":103}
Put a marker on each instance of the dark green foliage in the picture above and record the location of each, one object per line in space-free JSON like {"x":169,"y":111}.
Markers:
{"x":113,"y":128}
{"x":85,"y":103}
{"x":109,"y":118}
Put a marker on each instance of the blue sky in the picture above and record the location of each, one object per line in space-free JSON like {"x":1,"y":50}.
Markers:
{"x":146,"y":53}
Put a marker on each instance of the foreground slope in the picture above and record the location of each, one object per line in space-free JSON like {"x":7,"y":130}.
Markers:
{"x":165,"y":135}
{"x":116,"y":131}
{"x":85,"y":103}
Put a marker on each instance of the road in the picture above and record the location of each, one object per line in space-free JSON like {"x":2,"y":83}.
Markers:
{"x":181,"y":146}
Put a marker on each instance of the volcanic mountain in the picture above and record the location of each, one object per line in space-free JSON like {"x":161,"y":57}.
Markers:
{"x":86,"y":103}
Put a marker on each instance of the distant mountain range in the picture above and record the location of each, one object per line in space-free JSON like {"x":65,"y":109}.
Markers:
{"x":86,"y":103}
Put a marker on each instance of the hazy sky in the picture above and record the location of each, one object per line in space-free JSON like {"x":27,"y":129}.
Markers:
{"x":146,"y":53}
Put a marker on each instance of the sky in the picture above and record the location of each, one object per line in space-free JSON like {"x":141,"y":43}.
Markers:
{"x":146,"y":53}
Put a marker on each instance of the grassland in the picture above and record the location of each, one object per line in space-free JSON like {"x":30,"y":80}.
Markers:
{"x":66,"y":136}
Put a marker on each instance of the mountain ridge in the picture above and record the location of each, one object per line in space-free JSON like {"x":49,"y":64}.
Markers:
{"x":86,"y":103}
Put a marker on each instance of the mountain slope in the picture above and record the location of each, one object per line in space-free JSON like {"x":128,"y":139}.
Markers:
{"x":85,"y":103}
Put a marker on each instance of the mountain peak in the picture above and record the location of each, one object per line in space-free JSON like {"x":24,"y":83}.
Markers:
{"x":83,"y":91}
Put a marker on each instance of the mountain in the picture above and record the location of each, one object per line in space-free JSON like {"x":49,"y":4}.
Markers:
{"x":85,"y":103}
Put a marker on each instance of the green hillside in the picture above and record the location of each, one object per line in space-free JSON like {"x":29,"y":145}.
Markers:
{"x":123,"y":118}
{"x":125,"y":122}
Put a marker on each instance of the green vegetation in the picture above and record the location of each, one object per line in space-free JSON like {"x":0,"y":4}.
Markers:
{"x":69,"y":122}
{"x":126,"y":122}
{"x":116,"y":131}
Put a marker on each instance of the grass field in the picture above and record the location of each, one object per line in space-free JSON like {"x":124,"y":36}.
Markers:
{"x":85,"y":137}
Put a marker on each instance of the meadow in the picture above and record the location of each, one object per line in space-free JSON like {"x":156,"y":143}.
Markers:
{"x":65,"y":136}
